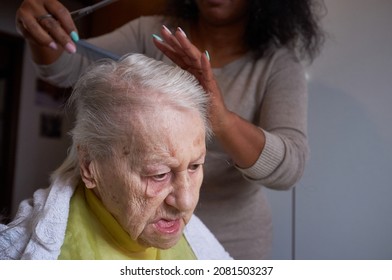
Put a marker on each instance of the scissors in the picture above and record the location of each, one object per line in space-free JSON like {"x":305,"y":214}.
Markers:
{"x":78,"y":14}
{"x":84,"y":48}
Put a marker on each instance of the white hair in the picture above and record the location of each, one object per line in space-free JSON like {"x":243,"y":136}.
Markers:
{"x":109,"y":91}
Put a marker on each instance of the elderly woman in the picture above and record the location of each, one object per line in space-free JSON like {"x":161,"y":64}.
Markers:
{"x":131,"y":181}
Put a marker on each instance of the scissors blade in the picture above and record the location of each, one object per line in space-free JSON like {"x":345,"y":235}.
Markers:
{"x":88,"y":10}
{"x":93,"y":52}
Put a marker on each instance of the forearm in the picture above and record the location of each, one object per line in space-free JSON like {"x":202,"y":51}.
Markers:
{"x":243,"y":141}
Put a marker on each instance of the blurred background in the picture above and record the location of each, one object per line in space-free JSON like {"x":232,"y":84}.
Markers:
{"x":342,"y":207}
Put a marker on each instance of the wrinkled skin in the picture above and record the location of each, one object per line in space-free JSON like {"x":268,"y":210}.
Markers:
{"x":153,"y":190}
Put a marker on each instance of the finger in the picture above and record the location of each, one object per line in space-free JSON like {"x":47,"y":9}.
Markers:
{"x":217,"y":107}
{"x":62,"y":15}
{"x":172,"y":42}
{"x":186,"y":59}
{"x":61,"y":28}
{"x":47,"y":31}
{"x":169,"y":52}
{"x":55,"y":30}
{"x":207,"y":80}
{"x":169,"y":38}
{"x":184,"y":50}
{"x":190,"y":51}
{"x":28,"y":25}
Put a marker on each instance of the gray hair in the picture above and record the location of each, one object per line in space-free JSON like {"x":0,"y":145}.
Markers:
{"x":109,"y":92}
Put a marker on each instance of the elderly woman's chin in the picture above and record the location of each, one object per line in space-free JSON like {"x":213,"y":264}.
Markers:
{"x":162,"y":234}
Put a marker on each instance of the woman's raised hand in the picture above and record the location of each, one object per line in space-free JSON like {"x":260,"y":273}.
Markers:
{"x":46,"y":23}
{"x":182,"y":52}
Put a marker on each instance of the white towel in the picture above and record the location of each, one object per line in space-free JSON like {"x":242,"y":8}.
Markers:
{"x":38,"y":230}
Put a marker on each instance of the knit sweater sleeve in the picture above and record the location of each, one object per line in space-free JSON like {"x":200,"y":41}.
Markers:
{"x":283,"y":119}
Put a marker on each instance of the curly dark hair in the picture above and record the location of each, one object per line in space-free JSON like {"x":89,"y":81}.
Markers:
{"x":272,"y":23}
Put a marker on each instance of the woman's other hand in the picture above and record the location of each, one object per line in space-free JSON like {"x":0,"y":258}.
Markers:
{"x":182,"y":52}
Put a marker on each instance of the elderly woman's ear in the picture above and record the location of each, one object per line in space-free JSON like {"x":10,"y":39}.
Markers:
{"x":87,"y":169}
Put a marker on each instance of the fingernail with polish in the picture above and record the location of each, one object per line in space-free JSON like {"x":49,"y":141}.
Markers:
{"x":182,"y":31}
{"x":157,"y":38}
{"x":74,"y":36}
{"x":167,"y":29}
{"x":53,"y":46}
{"x":70,"y":48}
{"x":207,"y":55}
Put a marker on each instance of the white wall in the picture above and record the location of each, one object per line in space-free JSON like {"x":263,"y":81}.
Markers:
{"x":343,"y":205}
{"x":344,"y":202}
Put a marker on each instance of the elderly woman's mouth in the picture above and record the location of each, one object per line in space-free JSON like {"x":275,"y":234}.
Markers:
{"x":168,"y":226}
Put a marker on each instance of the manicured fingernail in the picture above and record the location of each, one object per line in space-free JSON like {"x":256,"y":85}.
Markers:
{"x":53,"y":46}
{"x":70,"y":48}
{"x":207,"y":55}
{"x":157,"y":38}
{"x":167,"y":29}
{"x":182,"y":31}
{"x":74,"y":36}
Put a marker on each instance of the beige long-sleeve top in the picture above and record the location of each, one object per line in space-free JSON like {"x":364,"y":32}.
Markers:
{"x":270,"y":92}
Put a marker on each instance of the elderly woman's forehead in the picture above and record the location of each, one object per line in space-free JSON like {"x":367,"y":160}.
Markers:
{"x":158,"y":114}
{"x":150,"y":128}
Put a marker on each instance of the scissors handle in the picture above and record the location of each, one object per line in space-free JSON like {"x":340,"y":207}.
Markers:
{"x":88,"y":10}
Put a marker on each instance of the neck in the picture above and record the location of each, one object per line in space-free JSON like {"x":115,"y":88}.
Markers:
{"x":224,"y":43}
{"x":113,"y":227}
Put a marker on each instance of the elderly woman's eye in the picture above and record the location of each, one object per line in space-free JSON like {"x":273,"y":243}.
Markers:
{"x":194,"y":167}
{"x":160,"y":177}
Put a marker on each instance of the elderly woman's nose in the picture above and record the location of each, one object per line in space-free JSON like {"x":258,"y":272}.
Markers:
{"x":182,"y":196}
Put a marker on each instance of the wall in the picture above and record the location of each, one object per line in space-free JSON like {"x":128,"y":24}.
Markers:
{"x":341,"y":208}
{"x":343,"y":204}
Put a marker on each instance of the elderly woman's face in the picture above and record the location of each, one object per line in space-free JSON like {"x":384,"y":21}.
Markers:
{"x":154,"y":195}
